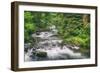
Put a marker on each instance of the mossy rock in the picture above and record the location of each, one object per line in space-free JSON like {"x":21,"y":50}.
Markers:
{"x":41,"y":54}
{"x":34,"y":52}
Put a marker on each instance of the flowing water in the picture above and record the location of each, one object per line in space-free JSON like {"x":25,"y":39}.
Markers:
{"x":48,"y":47}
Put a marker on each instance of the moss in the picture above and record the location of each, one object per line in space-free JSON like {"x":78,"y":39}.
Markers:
{"x":41,"y":54}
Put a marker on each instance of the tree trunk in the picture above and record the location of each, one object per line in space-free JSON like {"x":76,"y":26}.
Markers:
{"x":85,"y":19}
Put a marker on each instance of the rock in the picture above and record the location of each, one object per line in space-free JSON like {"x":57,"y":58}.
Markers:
{"x":41,"y":54}
{"x":27,"y":46}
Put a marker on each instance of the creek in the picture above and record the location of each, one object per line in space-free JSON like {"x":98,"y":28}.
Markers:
{"x":49,"y":47}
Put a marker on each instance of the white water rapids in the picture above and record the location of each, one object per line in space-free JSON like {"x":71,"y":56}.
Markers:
{"x":49,"y":48}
